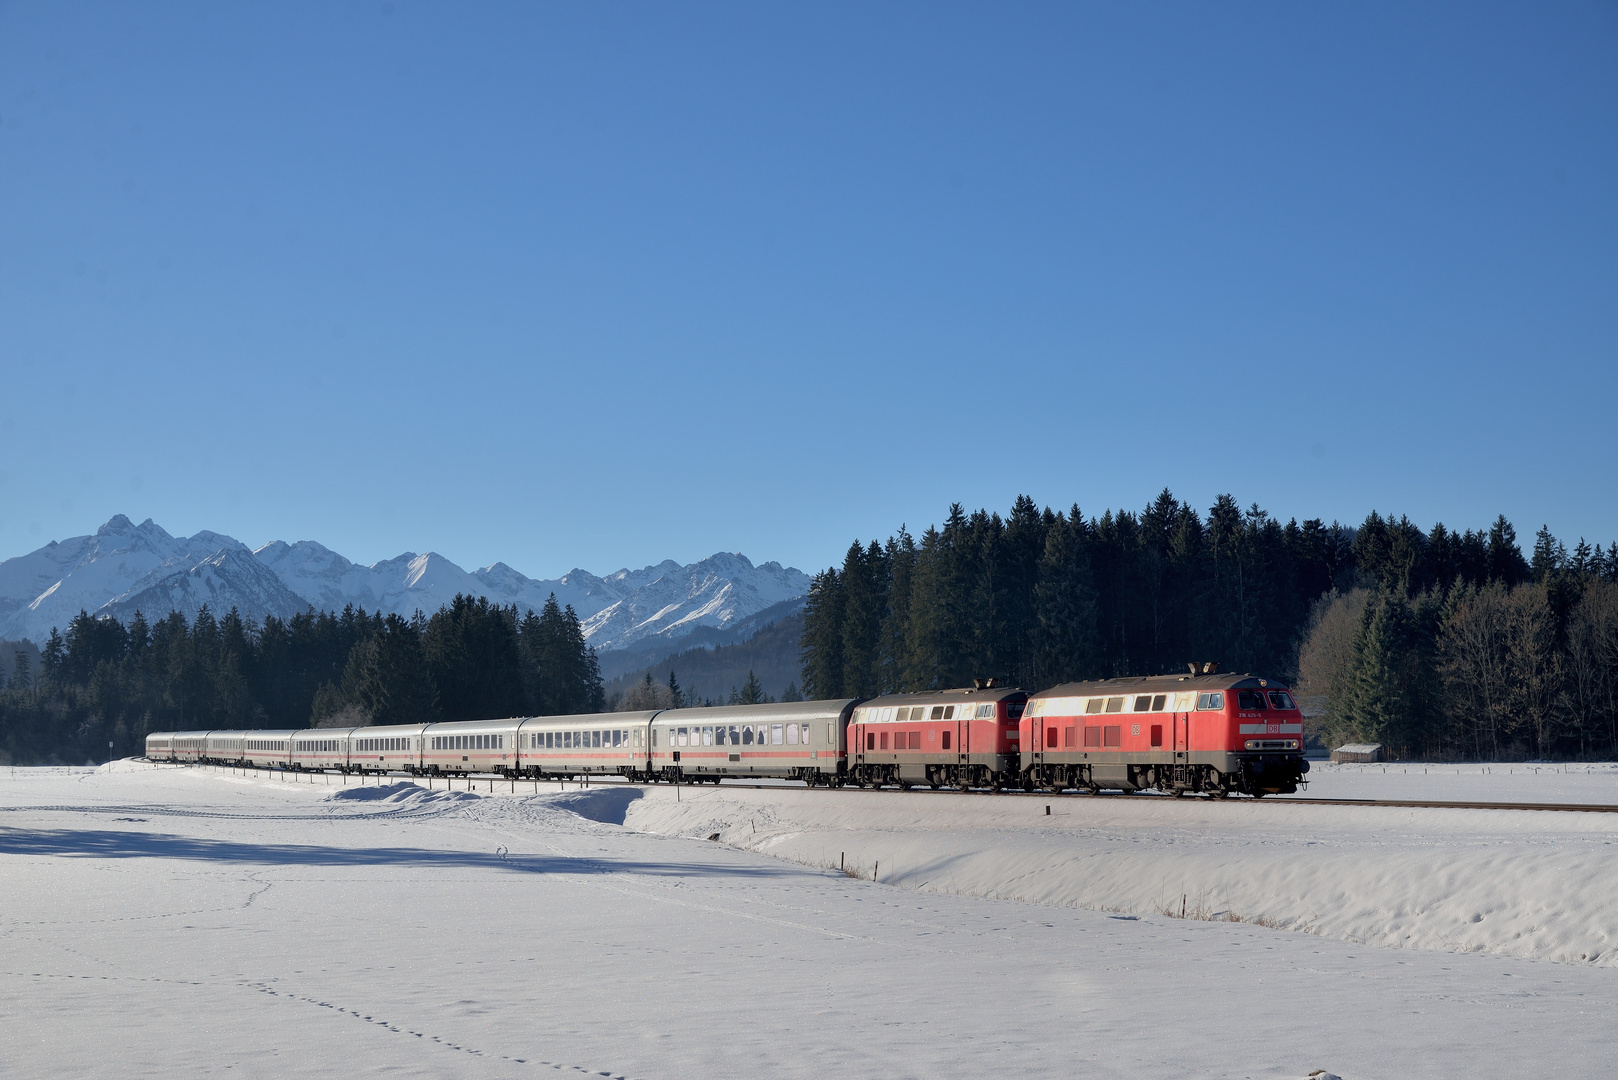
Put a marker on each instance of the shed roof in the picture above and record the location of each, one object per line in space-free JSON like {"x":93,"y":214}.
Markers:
{"x":1358,"y":748}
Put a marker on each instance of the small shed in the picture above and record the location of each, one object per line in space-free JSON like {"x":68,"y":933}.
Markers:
{"x":1358,"y":751}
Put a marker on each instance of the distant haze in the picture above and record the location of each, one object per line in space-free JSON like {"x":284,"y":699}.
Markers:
{"x":123,"y":568}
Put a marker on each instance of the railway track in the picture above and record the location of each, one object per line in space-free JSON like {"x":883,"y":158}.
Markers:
{"x":1414,"y":804}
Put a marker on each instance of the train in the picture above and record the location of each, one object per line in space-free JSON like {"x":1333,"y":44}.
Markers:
{"x":1198,"y":733}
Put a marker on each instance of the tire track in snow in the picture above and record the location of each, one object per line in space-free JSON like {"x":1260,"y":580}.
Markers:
{"x":446,"y":1043}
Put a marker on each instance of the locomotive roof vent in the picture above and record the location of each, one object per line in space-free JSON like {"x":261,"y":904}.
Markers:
{"x":984,"y":684}
{"x":1206,"y":667}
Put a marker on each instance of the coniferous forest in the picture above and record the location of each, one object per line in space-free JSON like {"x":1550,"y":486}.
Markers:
{"x":1435,"y":643}
{"x":105,"y":682}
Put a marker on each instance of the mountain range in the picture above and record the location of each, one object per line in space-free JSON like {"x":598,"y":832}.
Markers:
{"x":123,"y":568}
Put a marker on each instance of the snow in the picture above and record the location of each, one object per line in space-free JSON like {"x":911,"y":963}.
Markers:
{"x":125,"y":567}
{"x":187,"y":922}
{"x":1509,"y":782}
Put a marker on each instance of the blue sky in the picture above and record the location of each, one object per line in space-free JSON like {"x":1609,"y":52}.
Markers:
{"x":599,"y":285}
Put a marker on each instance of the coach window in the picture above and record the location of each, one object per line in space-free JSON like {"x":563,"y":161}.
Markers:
{"x":683,"y":736}
{"x":707,"y":736}
{"x":747,"y":734}
{"x":735,"y":735}
{"x":792,"y":734}
{"x":1143,"y":703}
{"x":776,"y":734}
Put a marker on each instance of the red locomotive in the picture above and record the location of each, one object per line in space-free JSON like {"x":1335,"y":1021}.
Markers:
{"x":964,"y":738}
{"x":1218,"y":734}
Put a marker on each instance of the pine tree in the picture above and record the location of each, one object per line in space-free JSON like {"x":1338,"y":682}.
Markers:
{"x":865,"y":603}
{"x":752,"y":692}
{"x":1506,"y":563}
{"x":388,"y":676}
{"x":676,"y":698}
{"x":792,"y":693}
{"x":1391,"y":672}
{"x":1065,"y":645}
{"x":821,"y":653}
{"x":1550,"y":555}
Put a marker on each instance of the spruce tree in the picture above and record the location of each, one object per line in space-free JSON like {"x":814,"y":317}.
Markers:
{"x":822,"y":646}
{"x":752,"y":692}
{"x":1065,"y":645}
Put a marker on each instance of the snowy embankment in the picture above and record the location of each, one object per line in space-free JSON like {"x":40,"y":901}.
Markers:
{"x":1514,"y":782}
{"x":1513,"y":882}
{"x":191,"y":922}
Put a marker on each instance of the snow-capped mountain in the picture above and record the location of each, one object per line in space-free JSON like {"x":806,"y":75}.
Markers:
{"x":125,"y":568}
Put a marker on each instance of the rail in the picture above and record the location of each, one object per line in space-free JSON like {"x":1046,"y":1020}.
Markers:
{"x":493,"y":783}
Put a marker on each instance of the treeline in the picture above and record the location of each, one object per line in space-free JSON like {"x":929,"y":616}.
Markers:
{"x":105,"y":682}
{"x":649,"y":694}
{"x":1521,"y":661}
{"x":714,"y":675}
{"x":1042,"y":597}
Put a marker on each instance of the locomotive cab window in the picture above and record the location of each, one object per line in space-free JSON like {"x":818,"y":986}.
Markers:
{"x":1214,"y":701}
{"x":1280,"y":699}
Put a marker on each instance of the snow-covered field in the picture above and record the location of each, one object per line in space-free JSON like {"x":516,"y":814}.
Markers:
{"x":1579,"y":782}
{"x":162,"y":921}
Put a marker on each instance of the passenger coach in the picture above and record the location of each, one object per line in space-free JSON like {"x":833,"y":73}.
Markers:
{"x":794,"y":740}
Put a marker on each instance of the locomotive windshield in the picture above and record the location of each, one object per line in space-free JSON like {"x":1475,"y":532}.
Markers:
{"x":1014,"y":710}
{"x":1280,"y":699}
{"x":1250,"y":700}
